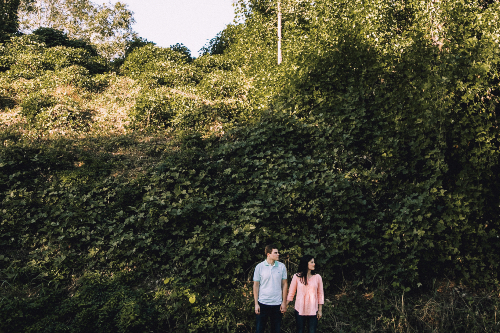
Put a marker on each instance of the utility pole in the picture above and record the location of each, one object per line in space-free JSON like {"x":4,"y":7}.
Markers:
{"x":279,"y":32}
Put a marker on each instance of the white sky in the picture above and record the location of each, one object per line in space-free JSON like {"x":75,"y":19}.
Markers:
{"x":190,"y":22}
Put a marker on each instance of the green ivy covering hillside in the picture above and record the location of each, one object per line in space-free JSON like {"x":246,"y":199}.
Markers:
{"x":138,"y":195}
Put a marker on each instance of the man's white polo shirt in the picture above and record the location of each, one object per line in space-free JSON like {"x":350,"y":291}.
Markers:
{"x":269,"y":278}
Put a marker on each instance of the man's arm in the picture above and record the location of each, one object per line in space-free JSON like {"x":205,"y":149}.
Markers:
{"x":284,"y":290}
{"x":256,"y":285}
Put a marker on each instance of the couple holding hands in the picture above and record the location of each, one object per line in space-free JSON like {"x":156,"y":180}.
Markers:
{"x":271,"y":294}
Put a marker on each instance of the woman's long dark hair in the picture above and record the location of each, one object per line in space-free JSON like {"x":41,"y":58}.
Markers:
{"x":303,"y":268}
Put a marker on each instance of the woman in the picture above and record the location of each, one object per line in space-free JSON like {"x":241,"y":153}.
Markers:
{"x":310,"y":297}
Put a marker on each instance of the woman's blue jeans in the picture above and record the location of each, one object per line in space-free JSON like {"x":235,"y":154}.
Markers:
{"x":272,"y":312}
{"x":312,"y":323}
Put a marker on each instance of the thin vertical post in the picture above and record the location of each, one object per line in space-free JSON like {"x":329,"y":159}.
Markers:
{"x":279,"y":32}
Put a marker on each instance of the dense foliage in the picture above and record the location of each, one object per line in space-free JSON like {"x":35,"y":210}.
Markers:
{"x":8,"y":18}
{"x":422,"y":115}
{"x":374,"y":147}
{"x":52,"y":37}
{"x":27,"y":57}
{"x":107,"y":26}
{"x":187,"y":93}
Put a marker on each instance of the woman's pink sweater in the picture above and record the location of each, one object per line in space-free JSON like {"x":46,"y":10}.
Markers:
{"x":308,"y":297}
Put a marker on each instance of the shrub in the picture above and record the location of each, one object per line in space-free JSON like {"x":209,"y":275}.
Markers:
{"x":5,"y":60}
{"x":66,"y":115}
{"x":23,"y":57}
{"x":223,"y":40}
{"x":211,"y":117}
{"x":36,"y":103}
{"x":52,"y":37}
{"x":135,"y":43}
{"x":59,"y":57}
{"x":6,"y":102}
{"x":223,"y":84}
{"x":99,"y":82}
{"x":78,"y":76}
{"x":184,"y":111}
{"x":159,"y":66}
{"x":75,"y":75}
{"x":144,"y":58}
{"x":169,"y":74}
{"x":157,"y":107}
{"x":7,"y":93}
{"x":183,"y":50}
{"x":207,"y":63}
{"x":43,"y":111}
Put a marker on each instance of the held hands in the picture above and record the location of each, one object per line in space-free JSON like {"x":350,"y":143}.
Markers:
{"x":283,"y":307}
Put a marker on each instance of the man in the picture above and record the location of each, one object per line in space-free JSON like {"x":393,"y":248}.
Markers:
{"x":270,"y":289}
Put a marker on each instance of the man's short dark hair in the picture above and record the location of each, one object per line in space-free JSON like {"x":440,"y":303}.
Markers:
{"x":269,"y":248}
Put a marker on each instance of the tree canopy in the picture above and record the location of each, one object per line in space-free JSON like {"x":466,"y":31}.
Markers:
{"x":9,"y":23}
{"x":108,"y":27}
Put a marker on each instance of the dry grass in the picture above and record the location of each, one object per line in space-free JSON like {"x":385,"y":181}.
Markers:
{"x":133,"y":152}
{"x":112,"y":106}
{"x":11,"y":117}
{"x":109,"y":108}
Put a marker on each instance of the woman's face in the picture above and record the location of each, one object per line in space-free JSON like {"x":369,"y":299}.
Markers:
{"x":311,"y":264}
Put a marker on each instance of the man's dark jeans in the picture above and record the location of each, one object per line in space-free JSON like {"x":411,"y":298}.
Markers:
{"x":273,"y":313}
{"x":312,"y":323}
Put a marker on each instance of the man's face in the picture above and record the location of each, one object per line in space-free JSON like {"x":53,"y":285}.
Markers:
{"x":274,"y":255}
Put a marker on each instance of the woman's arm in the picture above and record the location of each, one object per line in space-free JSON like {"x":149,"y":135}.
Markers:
{"x":321,"y":294}
{"x":321,"y":297}
{"x":293,"y":289}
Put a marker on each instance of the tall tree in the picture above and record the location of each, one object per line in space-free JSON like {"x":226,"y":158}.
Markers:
{"x":8,"y":17}
{"x":108,"y":27}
